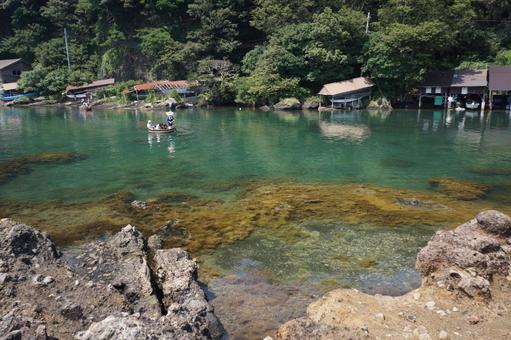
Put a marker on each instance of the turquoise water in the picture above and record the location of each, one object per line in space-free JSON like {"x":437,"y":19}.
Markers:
{"x":265,"y":278}
{"x":402,"y":149}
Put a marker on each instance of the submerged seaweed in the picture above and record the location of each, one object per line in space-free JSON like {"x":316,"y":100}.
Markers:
{"x":11,"y":168}
{"x":278,"y":207}
{"x":459,"y":189}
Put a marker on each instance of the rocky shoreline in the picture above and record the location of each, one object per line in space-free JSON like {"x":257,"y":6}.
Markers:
{"x":127,"y":287}
{"x":465,"y":293}
{"x":121,"y":288}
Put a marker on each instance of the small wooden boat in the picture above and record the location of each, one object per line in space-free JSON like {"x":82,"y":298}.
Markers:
{"x":156,"y":129}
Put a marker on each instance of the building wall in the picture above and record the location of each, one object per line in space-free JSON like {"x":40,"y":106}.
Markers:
{"x":470,"y":90}
{"x":11,"y":73}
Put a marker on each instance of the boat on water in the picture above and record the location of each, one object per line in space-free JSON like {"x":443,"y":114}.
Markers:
{"x":472,"y":105}
{"x":159,"y":128}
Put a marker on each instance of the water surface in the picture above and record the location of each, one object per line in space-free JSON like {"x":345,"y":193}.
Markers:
{"x":229,"y":158}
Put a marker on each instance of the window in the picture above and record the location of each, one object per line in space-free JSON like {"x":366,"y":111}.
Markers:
{"x":464,"y":90}
{"x":428,"y":89}
{"x":16,"y":72}
{"x":438,"y":89}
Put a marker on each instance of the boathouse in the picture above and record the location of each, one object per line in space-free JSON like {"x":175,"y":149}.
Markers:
{"x":10,"y":70}
{"x":499,"y":84}
{"x":469,"y":82}
{"x":436,"y":85}
{"x":82,"y":91}
{"x":348,"y":93}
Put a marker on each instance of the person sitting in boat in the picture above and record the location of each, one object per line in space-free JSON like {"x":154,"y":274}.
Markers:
{"x":149,"y":125}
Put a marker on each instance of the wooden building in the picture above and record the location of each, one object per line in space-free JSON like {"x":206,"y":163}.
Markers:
{"x":10,"y":70}
{"x":186,"y":89}
{"x":467,"y":82}
{"x":348,"y":93}
{"x":436,"y":84}
{"x":83,"y":91}
{"x":499,"y":82}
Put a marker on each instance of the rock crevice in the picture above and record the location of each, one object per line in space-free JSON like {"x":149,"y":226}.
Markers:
{"x":103,"y":290}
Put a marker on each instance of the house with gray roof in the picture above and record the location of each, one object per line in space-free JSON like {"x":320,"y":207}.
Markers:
{"x":10,"y":70}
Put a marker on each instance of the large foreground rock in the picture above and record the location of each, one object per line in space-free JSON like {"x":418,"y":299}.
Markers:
{"x":465,"y":293}
{"x":104,"y":290}
{"x":467,"y":259}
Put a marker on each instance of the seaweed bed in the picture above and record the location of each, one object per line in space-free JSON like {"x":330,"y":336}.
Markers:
{"x":11,"y":168}
{"x":202,"y":224}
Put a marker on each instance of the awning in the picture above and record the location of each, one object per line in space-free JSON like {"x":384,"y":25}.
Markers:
{"x":9,"y":86}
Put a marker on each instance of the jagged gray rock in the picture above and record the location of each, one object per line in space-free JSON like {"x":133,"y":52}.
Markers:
{"x":42,"y":290}
{"x":467,"y":258}
{"x":185,"y":302}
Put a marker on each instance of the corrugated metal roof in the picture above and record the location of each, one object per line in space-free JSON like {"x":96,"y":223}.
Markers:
{"x":500,"y":78}
{"x":167,"y":84}
{"x":470,"y":78}
{"x":93,"y":85}
{"x":9,"y":86}
{"x":438,"y":78}
{"x":7,"y":62}
{"x":346,"y":86}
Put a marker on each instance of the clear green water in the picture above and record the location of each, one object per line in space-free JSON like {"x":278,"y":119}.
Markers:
{"x":264,"y":280}
{"x":224,"y":144}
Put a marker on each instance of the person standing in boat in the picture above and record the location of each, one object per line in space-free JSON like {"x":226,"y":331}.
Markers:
{"x":170,"y":119}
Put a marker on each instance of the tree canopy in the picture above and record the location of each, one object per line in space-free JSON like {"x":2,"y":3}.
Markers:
{"x":266,"y":49}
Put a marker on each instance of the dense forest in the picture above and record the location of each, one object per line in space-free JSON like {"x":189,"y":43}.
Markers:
{"x":253,"y":51}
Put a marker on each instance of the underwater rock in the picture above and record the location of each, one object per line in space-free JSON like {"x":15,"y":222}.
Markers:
{"x":119,"y":282}
{"x":139,"y":205}
{"x":11,"y":168}
{"x":397,"y":163}
{"x":491,"y":171}
{"x":459,"y":189}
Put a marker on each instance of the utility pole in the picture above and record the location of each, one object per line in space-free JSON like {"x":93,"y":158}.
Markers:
{"x":368,"y":20}
{"x":67,"y":49}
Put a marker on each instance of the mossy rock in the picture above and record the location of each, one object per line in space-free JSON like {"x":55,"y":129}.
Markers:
{"x":288,"y":104}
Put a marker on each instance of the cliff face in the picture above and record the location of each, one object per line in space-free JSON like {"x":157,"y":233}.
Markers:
{"x":465,"y":293}
{"x":105,"y":290}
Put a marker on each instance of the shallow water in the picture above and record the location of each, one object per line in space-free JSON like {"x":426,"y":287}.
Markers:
{"x":270,"y":251}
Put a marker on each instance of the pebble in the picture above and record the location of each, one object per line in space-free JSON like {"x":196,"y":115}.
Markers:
{"x":473,"y":320}
{"x":77,"y":283}
{"x":430,"y":305}
{"x":4,"y":278}
{"x":443,"y":335}
{"x":47,"y":280}
{"x":268,"y":338}
{"x":416,"y":296}
{"x":89,"y":284}
{"x":379,"y":316}
{"x":441,"y":312}
{"x":420,"y":330}
{"x":455,"y":309}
